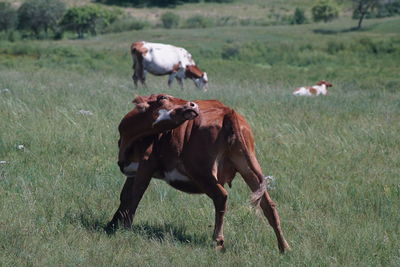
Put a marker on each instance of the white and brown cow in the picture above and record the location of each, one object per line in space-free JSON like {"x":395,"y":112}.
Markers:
{"x":321,"y":88}
{"x":164,"y":59}
{"x":196,"y":147}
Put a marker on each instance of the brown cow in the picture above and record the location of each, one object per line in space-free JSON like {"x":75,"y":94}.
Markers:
{"x":207,"y":145}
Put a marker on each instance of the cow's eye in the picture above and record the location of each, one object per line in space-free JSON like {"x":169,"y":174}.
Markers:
{"x":161,"y":97}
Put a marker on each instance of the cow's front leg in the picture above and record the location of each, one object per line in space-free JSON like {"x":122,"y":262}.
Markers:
{"x":171,"y":78}
{"x":131,"y":194}
{"x":180,"y":82}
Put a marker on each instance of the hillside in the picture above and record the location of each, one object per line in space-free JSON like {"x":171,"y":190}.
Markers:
{"x":258,"y":10}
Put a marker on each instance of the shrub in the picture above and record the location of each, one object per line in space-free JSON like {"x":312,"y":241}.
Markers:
{"x":334,"y":47}
{"x":170,"y":20}
{"x":219,"y":1}
{"x":299,"y":16}
{"x":198,"y":21}
{"x":159,"y":3}
{"x":8,"y":17}
{"x":88,"y":19}
{"x":126,"y":24}
{"x":227,"y":21}
{"x":230,"y":51}
{"x":142,"y":3}
{"x":324,"y":10}
{"x":40,"y":15}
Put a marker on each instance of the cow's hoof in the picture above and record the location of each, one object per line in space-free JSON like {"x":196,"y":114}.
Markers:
{"x":111,"y":228}
{"x":220,"y":248}
{"x":285,"y":248}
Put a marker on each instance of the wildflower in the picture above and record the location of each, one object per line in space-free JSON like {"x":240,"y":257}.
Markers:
{"x":85,"y":112}
{"x":271,"y":182}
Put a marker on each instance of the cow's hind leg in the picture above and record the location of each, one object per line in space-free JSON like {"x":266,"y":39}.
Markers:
{"x":255,"y":180}
{"x":269,"y":210}
{"x":135,"y":79}
{"x":137,"y":74}
{"x":138,"y":70}
{"x":218,"y":194}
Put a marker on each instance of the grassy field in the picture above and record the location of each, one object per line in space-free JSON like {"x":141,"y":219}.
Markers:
{"x":336,"y":159}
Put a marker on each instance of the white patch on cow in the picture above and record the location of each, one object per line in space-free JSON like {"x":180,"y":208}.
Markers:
{"x":161,"y":58}
{"x":205,"y":77}
{"x":163,"y":115}
{"x":304,"y":91}
{"x":131,"y":168}
{"x":201,"y":83}
{"x":321,"y":89}
{"x":175,"y":176}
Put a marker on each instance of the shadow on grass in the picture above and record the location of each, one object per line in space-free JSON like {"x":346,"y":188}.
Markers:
{"x":168,"y":230}
{"x":328,"y":31}
{"x":158,"y":232}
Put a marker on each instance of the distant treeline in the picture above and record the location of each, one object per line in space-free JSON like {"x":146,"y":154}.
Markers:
{"x":159,"y":3}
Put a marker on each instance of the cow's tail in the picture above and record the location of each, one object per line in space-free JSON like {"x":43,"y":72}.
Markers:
{"x":137,"y":59}
{"x":135,"y":56}
{"x":253,"y":175}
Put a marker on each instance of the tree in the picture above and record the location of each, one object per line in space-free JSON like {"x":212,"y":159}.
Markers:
{"x":84,"y":19}
{"x":324,"y":10}
{"x":39,"y":15}
{"x":8,"y":17}
{"x":361,"y":8}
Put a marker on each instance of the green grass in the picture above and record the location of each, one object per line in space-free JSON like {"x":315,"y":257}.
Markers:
{"x":336,"y":158}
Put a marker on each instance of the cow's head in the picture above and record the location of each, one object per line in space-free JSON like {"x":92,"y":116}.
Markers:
{"x":324,"y":82}
{"x":199,"y":78}
{"x":202,"y":82}
{"x":152,"y":115}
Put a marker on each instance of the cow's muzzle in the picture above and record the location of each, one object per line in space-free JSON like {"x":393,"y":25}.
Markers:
{"x":190,"y":111}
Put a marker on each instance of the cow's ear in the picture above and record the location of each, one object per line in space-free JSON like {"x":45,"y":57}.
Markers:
{"x":138,"y":99}
{"x":141,"y":103}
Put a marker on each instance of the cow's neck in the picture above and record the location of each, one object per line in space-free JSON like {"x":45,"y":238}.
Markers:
{"x":137,"y":125}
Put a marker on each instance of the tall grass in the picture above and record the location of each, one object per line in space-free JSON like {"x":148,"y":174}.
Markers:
{"x":335,"y":158}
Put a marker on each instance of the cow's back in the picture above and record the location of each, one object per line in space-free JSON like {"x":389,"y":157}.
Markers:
{"x":163,"y":59}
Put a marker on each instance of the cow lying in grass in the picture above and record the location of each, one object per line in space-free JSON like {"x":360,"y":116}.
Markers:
{"x":163,"y":59}
{"x":321,"y":88}
{"x":196,"y":147}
